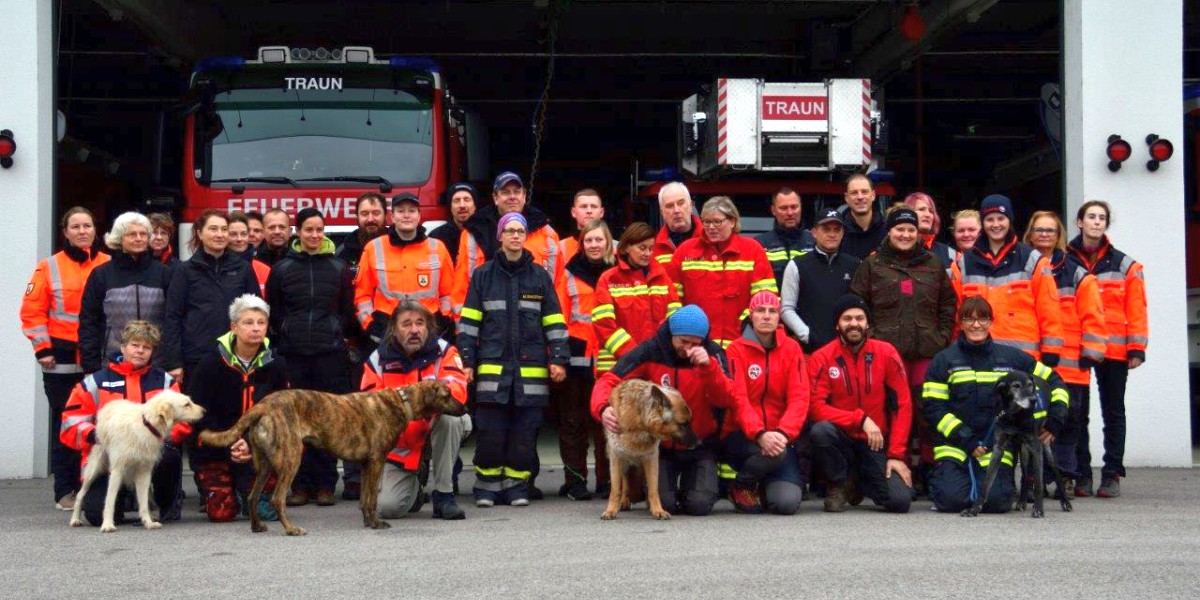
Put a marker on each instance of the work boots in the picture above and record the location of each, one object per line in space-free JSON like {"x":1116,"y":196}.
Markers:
{"x":444,"y":507}
{"x":838,"y":498}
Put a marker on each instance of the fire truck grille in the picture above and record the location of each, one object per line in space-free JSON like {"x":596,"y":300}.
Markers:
{"x":795,"y":155}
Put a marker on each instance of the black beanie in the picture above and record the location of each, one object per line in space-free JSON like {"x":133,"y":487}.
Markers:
{"x":846,"y":303}
{"x":902,"y":215}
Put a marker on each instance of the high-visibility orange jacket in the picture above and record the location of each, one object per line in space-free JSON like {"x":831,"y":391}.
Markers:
{"x":630,"y":305}
{"x":1084,"y":334}
{"x":50,"y":307}
{"x":390,"y":367}
{"x":567,"y":247}
{"x":720,"y":279}
{"x":392,"y":270}
{"x":664,"y":248}
{"x":576,"y":289}
{"x":1017,"y":282}
{"x":479,"y":245}
{"x":1123,"y":292}
{"x":118,"y":381}
{"x":262,"y":271}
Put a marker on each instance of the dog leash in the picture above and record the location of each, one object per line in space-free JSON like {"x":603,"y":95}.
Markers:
{"x":974,"y":495}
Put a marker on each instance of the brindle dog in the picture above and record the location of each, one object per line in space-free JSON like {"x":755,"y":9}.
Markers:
{"x":359,"y":427}
{"x":648,"y":414}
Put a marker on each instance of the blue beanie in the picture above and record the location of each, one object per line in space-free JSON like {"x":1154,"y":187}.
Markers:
{"x":997,"y":203}
{"x":689,"y":320}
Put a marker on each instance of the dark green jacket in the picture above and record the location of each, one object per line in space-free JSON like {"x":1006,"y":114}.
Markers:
{"x":911,"y":299}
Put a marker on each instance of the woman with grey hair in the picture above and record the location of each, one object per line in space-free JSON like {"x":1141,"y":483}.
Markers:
{"x":243,"y":370}
{"x":721,"y":270}
{"x":132,"y":286}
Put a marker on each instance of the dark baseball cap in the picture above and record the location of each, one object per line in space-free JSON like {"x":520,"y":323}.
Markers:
{"x":405,"y":197}
{"x":506,"y":178}
{"x":830,"y":214}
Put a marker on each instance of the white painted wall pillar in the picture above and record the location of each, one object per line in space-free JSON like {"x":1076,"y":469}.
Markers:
{"x":1123,"y":74}
{"x":26,"y":224}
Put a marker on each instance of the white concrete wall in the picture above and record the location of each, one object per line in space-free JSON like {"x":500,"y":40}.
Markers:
{"x":26,"y":192}
{"x":1123,"y":74}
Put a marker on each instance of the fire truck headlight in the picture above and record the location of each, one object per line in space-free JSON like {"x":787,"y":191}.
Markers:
{"x":273,"y":54}
{"x":357,"y":54}
{"x":321,"y":54}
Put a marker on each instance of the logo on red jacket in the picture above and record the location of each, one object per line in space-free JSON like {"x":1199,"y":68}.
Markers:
{"x":754,"y":372}
{"x":666,"y":380}
{"x":834,"y":372}
{"x":423,"y":280}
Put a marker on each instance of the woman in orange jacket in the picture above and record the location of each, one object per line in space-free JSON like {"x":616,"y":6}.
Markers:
{"x":1123,"y":293}
{"x":631,"y":299}
{"x":576,"y":287}
{"x":1084,"y":335}
{"x":50,"y":319}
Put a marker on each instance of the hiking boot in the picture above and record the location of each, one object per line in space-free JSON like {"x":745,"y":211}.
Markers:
{"x":171,"y":512}
{"x":444,"y":507}
{"x":578,"y":491}
{"x":535,"y":493}
{"x":66,"y":502}
{"x":266,"y":512}
{"x":298,"y":498}
{"x":325,"y":498}
{"x":352,"y":490}
{"x":853,"y":495}
{"x":746,"y":499}
{"x":485,"y":502}
{"x":837,"y":499}
{"x":1110,"y":487}
{"x":1083,"y":487}
{"x":1068,"y":484}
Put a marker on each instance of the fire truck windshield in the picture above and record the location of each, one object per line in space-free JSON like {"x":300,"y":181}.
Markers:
{"x":298,"y":135}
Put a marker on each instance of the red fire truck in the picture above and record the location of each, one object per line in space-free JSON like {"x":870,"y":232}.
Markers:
{"x":301,"y":127}
{"x":745,"y":138}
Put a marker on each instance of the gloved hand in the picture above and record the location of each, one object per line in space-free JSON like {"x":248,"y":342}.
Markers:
{"x":378,"y":326}
{"x":1086,"y":363}
{"x":1050,"y":359}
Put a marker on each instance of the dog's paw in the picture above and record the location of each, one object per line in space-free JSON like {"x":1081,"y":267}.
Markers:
{"x":969,"y":512}
{"x":152,"y":525}
{"x":381,"y":524}
{"x":295,"y":531}
{"x":108,"y":528}
{"x":661,"y":515}
{"x":608,"y":515}
{"x":76,"y":522}
{"x":625,"y":505}
{"x":257,"y":527}
{"x":1066,"y":506}
{"x":1021,"y":506}
{"x":1037,"y":513}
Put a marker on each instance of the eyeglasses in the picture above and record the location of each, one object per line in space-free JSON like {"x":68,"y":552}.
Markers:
{"x":512,"y":232}
{"x":1045,"y":231}
{"x":714,"y":222}
{"x":981,"y":321}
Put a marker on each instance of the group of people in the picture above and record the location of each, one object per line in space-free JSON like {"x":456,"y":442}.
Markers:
{"x":857,"y":357}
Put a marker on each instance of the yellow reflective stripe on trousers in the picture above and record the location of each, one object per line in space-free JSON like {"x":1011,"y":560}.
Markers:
{"x":537,"y":372}
{"x":515,"y":474}
{"x":489,"y":472}
{"x":725,"y":471}
{"x":491,"y":369}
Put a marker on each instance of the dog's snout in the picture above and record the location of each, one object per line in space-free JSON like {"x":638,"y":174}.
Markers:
{"x":688,"y":438}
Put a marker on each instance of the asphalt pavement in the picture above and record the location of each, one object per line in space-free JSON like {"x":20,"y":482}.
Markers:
{"x":1144,"y":545}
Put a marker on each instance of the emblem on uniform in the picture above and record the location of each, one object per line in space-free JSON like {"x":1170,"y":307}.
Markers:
{"x":834,"y":372}
{"x":754,"y":371}
{"x":29,"y":289}
{"x":423,"y":280}
{"x":458,"y":361}
{"x":666,"y":380}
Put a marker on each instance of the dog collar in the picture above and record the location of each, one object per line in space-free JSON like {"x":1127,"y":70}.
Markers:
{"x":408,"y":411}
{"x":151,"y":428}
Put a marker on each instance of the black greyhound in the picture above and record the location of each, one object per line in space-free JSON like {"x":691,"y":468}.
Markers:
{"x":1016,"y":427}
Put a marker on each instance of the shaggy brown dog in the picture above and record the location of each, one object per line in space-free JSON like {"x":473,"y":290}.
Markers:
{"x":359,"y":427}
{"x":648,"y":414}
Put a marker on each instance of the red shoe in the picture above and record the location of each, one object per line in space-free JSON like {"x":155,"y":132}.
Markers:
{"x":746,"y":499}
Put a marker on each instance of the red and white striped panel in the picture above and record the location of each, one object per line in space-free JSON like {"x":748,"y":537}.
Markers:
{"x":722,"y":117}
{"x":866,"y":120}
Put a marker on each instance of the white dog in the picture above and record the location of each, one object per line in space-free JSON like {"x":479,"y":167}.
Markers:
{"x":129,"y":441}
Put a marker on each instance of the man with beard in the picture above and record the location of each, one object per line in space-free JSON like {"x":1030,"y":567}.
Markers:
{"x":278,"y":227}
{"x":463,"y":200}
{"x":861,"y":411}
{"x":410,"y":353}
{"x":369,"y":211}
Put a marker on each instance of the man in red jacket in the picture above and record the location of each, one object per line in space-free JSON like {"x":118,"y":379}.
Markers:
{"x":680,"y":356}
{"x":862,"y":412}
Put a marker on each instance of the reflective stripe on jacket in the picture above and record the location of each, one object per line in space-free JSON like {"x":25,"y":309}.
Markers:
{"x":1123,"y":291}
{"x":664,"y":248}
{"x":630,"y":305}
{"x":721,"y":279}
{"x":389,"y":367}
{"x":1020,"y":287}
{"x":51,"y":304}
{"x":1084,"y":334}
{"x":393,"y":270}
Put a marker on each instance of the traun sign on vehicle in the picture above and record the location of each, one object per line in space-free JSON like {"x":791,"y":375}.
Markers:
{"x":794,"y":108}
{"x":313,"y":83}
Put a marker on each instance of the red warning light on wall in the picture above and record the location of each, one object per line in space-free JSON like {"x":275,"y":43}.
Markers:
{"x":8,"y":147}
{"x":1160,"y":151}
{"x":1118,"y":151}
